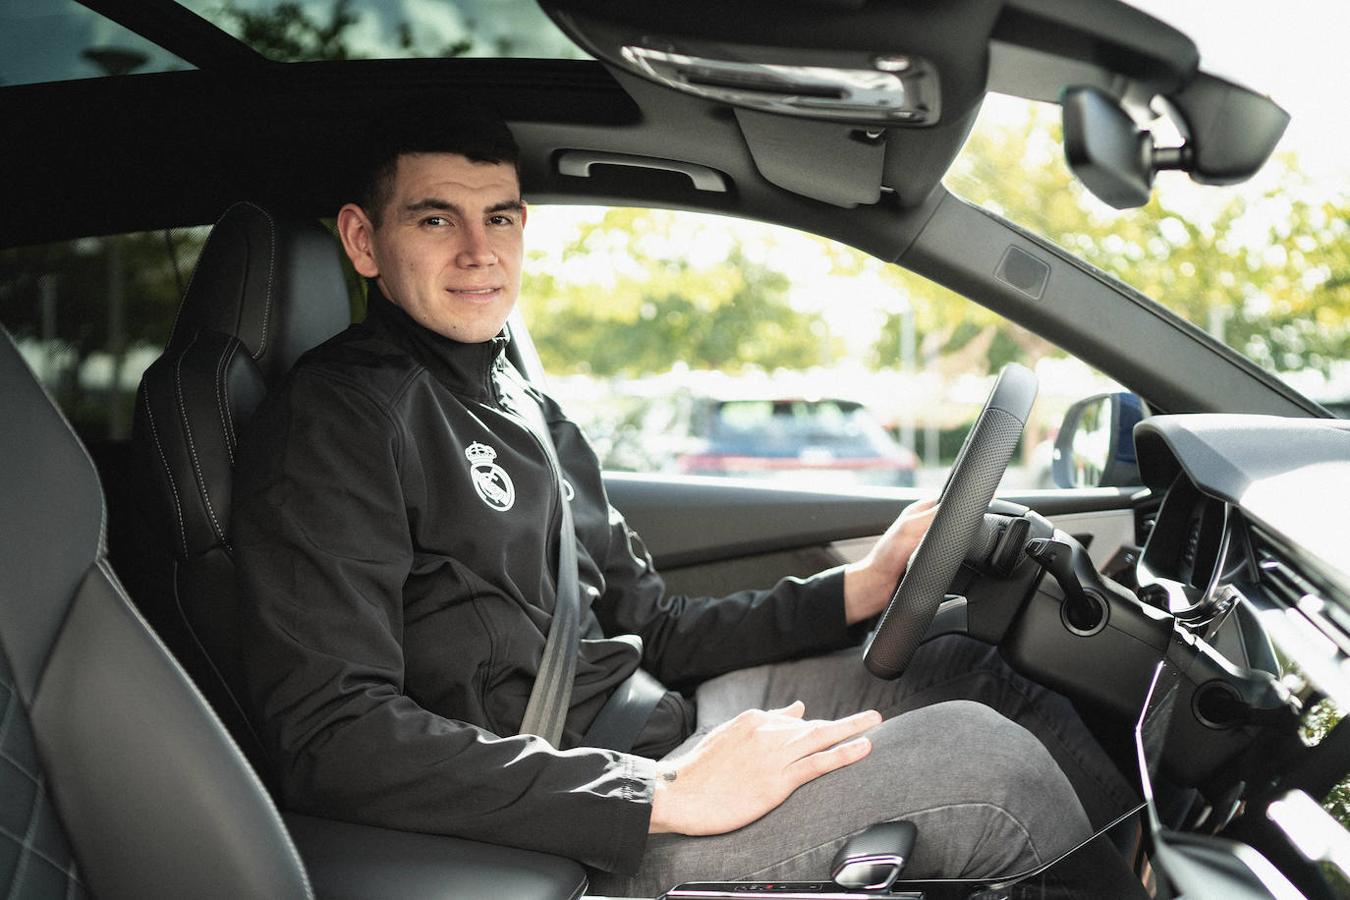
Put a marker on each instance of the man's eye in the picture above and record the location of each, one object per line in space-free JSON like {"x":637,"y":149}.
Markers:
{"x":501,"y":219}
{"x":436,"y":221}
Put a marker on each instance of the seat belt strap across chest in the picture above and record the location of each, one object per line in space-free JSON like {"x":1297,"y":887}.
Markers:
{"x":551,"y":696}
{"x":628,"y":708}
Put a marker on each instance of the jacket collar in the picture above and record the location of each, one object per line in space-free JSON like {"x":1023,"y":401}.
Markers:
{"x":465,"y":369}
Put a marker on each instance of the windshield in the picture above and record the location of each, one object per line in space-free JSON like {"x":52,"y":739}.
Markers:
{"x":1263,"y":266}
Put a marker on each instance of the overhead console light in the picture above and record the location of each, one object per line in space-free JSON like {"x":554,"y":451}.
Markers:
{"x":898,"y":90}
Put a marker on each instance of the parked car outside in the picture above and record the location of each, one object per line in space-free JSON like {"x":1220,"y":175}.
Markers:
{"x":802,"y":441}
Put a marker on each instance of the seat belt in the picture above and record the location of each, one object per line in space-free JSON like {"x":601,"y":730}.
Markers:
{"x":625,"y":713}
{"x":551,"y":696}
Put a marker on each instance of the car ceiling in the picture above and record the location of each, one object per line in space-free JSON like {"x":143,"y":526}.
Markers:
{"x":137,"y":152}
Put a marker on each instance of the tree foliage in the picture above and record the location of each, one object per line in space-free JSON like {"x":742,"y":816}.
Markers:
{"x":641,"y":306}
{"x":288,"y":32}
{"x":1270,"y":276}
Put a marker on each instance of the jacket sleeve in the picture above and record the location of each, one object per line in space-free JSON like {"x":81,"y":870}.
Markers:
{"x":322,"y":545}
{"x":687,"y":640}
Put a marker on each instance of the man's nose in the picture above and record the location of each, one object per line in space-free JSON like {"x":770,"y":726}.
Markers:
{"x":475,"y":249}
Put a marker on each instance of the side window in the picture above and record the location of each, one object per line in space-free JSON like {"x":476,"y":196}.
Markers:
{"x":90,"y":315}
{"x":695,"y":344}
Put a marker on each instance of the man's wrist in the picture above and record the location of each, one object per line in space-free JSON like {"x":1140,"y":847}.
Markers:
{"x":662,"y":799}
{"x":860,"y":593}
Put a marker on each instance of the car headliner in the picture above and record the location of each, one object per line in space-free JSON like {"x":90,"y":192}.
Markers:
{"x":243,"y":125}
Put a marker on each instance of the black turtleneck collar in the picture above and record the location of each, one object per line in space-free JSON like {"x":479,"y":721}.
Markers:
{"x":462,"y":368}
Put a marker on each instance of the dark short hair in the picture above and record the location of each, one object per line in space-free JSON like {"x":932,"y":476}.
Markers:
{"x":472,"y":131}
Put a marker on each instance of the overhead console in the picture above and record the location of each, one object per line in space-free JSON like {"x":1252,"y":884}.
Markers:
{"x":889,"y":89}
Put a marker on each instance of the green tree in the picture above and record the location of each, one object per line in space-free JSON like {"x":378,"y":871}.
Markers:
{"x":642,"y":307}
{"x":288,"y":32}
{"x":1270,"y":276}
{"x":296,"y":32}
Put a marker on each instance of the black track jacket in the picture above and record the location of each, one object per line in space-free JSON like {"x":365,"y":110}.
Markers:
{"x":395,"y":528}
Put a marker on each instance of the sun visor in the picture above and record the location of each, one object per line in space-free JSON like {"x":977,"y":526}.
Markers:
{"x":836,"y":164}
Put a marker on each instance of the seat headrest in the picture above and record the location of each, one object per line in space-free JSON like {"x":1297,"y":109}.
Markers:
{"x":51,"y":517}
{"x":274,"y":282}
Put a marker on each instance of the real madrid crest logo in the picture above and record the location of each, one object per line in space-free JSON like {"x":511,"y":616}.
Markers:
{"x":491,"y":482}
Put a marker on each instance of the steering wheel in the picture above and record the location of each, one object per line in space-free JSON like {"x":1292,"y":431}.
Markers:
{"x":963,"y":502}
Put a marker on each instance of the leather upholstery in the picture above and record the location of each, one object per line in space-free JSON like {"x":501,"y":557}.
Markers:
{"x":35,"y":856}
{"x":356,"y":862}
{"x":153,"y":798}
{"x":265,"y":289}
{"x":274,"y":283}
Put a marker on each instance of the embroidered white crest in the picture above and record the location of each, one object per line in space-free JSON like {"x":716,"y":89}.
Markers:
{"x":489,"y":479}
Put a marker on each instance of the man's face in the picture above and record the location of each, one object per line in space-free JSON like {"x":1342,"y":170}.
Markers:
{"x":449,"y":245}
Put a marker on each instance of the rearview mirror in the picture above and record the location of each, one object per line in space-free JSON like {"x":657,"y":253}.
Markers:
{"x":1229,"y":133}
{"x":1095,"y":446}
{"x":1105,"y":149}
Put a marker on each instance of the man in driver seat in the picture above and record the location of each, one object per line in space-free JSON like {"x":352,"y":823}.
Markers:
{"x":396,"y":531}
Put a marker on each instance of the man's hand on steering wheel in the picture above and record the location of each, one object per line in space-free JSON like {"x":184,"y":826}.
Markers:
{"x":870,"y":582}
{"x":955,"y":522}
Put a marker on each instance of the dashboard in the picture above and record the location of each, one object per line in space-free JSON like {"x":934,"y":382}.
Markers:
{"x":1253,"y":519}
{"x":1250,"y":554}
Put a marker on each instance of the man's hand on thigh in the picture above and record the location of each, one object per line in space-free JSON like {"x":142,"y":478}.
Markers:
{"x":746,"y":767}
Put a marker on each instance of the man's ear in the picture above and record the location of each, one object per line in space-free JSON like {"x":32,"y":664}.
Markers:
{"x":358,"y":237}
{"x":524,"y":213}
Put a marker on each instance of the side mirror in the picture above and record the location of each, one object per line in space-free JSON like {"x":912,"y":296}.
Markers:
{"x":1095,"y":446}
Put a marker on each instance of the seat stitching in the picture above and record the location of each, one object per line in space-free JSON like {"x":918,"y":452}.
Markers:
{"x":192,"y":447}
{"x":27,"y":844}
{"x":18,"y":765}
{"x":221,"y":405}
{"x":229,"y":411}
{"x":271,"y":271}
{"x":188,"y":290}
{"x":154,"y":434}
{"x":6,"y":833}
{"x":210,"y":661}
{"x":106,"y":568}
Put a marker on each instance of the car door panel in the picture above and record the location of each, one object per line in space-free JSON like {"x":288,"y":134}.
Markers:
{"x":711,"y":535}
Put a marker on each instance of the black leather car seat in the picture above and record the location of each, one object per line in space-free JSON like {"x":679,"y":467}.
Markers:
{"x":266,"y":289}
{"x":115,"y":778}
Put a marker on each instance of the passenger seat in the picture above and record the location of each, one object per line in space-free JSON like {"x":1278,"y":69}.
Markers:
{"x":266,"y":289}
{"x":117,"y":781}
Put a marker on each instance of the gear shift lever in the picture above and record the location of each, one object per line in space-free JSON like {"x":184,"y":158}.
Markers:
{"x":871,"y":860}
{"x":866,"y":866}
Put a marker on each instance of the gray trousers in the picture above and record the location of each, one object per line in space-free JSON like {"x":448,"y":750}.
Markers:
{"x":989,"y":766}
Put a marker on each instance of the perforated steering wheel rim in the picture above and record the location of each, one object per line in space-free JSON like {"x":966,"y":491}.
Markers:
{"x":964,"y":500}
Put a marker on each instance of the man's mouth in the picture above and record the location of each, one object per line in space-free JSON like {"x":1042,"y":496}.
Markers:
{"x":485,"y":293}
